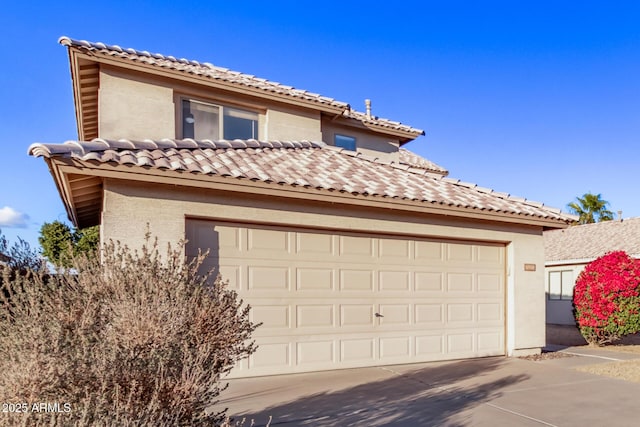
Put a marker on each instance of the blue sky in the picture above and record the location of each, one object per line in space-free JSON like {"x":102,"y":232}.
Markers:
{"x":537,"y":99}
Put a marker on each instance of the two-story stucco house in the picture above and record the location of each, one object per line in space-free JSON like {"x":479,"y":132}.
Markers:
{"x":351,"y":250}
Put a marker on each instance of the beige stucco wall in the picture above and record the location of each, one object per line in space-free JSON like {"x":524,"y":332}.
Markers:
{"x":367,"y":142}
{"x":128,"y":207}
{"x":560,"y":312}
{"x":285,"y":124}
{"x":525,"y":302}
{"x":134,"y":109}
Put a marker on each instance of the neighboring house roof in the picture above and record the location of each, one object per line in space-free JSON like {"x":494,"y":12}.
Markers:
{"x":311,"y":166}
{"x":226,"y":76}
{"x":583,"y":243}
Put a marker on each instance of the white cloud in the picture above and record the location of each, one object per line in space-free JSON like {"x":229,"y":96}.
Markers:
{"x":10,"y":217}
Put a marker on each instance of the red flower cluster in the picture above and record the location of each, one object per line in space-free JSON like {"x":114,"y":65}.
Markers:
{"x":607,"y":297}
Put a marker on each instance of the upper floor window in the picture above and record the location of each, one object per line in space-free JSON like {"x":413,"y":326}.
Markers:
{"x":346,"y":142}
{"x":201,"y":120}
{"x":561,"y":285}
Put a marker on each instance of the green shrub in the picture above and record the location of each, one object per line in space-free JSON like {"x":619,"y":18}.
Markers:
{"x":607,"y":298}
{"x":135,"y":338}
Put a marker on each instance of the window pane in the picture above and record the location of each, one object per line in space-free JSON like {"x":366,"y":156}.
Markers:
{"x":187,"y":120}
{"x":346,"y":142}
{"x":555,"y":285}
{"x":567,"y":284}
{"x":239,"y":124}
{"x":200,"y":120}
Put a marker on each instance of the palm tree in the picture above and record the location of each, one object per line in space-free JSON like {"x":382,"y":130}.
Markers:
{"x":591,"y":208}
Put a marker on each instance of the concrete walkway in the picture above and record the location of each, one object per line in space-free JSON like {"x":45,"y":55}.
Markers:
{"x":482,"y":392}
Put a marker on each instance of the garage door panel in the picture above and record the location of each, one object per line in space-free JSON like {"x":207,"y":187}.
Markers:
{"x":357,"y":350}
{"x":271,"y":355}
{"x":229,"y":273}
{"x":319,"y":353}
{"x":490,"y":312}
{"x":315,"y":244}
{"x":490,"y":282}
{"x":429,"y":314}
{"x":317,"y":294}
{"x":357,"y":249}
{"x":356,"y":280}
{"x":457,"y":252}
{"x":395,"y":249}
{"x":487,"y":254}
{"x":395,"y":347}
{"x":394,"y":280}
{"x":429,"y":251}
{"x":396,"y":315}
{"x":429,"y":281}
{"x":460,"y":312}
{"x":315,"y":279}
{"x":460,"y":343}
{"x":272,"y":240}
{"x":267,"y":278}
{"x":315,"y":316}
{"x":430,"y":347}
{"x":358,"y":315}
{"x":271,"y":316}
{"x":489,"y":343}
{"x":460,"y":282}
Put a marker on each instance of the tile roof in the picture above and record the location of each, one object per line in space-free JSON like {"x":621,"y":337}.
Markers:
{"x":590,"y":241}
{"x":313,"y":165}
{"x":208,"y":70}
{"x":410,"y":158}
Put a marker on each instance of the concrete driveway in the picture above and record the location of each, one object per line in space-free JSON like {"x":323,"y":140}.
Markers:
{"x":494,"y":391}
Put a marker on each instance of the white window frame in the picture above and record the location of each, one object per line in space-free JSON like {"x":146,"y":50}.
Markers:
{"x":562,"y":282}
{"x":222,"y":109}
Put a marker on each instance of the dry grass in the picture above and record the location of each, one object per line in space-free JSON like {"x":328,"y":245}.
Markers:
{"x":623,"y":348}
{"x":628,"y":370}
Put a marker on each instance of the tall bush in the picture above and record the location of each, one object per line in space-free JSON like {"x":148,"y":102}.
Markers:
{"x":135,"y":338}
{"x":607,"y":298}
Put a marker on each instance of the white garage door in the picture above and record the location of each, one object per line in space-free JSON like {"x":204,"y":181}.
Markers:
{"x":331,"y":300}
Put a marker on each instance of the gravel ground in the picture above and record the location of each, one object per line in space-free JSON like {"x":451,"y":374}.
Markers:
{"x":546,"y":355}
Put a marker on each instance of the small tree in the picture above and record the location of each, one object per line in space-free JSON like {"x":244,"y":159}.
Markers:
{"x":607,"y":298}
{"x":60,"y":243}
{"x":129,"y":338}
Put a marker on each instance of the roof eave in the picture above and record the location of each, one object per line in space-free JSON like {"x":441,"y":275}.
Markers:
{"x":65,"y":166}
{"x":63,"y":188}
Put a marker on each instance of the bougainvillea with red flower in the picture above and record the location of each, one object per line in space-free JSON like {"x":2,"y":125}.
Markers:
{"x":606,"y":298}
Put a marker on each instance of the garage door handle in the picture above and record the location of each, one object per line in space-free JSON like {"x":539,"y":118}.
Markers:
{"x":379,"y":315}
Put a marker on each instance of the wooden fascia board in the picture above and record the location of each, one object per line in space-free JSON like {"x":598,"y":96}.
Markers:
{"x":206,"y":81}
{"x":62,"y":184}
{"x":77,"y":97}
{"x":243,"y":185}
{"x":351,"y":122}
{"x":391,"y":131}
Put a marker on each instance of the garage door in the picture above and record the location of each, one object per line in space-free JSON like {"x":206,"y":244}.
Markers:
{"x":331,"y":300}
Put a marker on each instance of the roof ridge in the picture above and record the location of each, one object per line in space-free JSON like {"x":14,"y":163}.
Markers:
{"x":605,"y":223}
{"x":123,"y":144}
